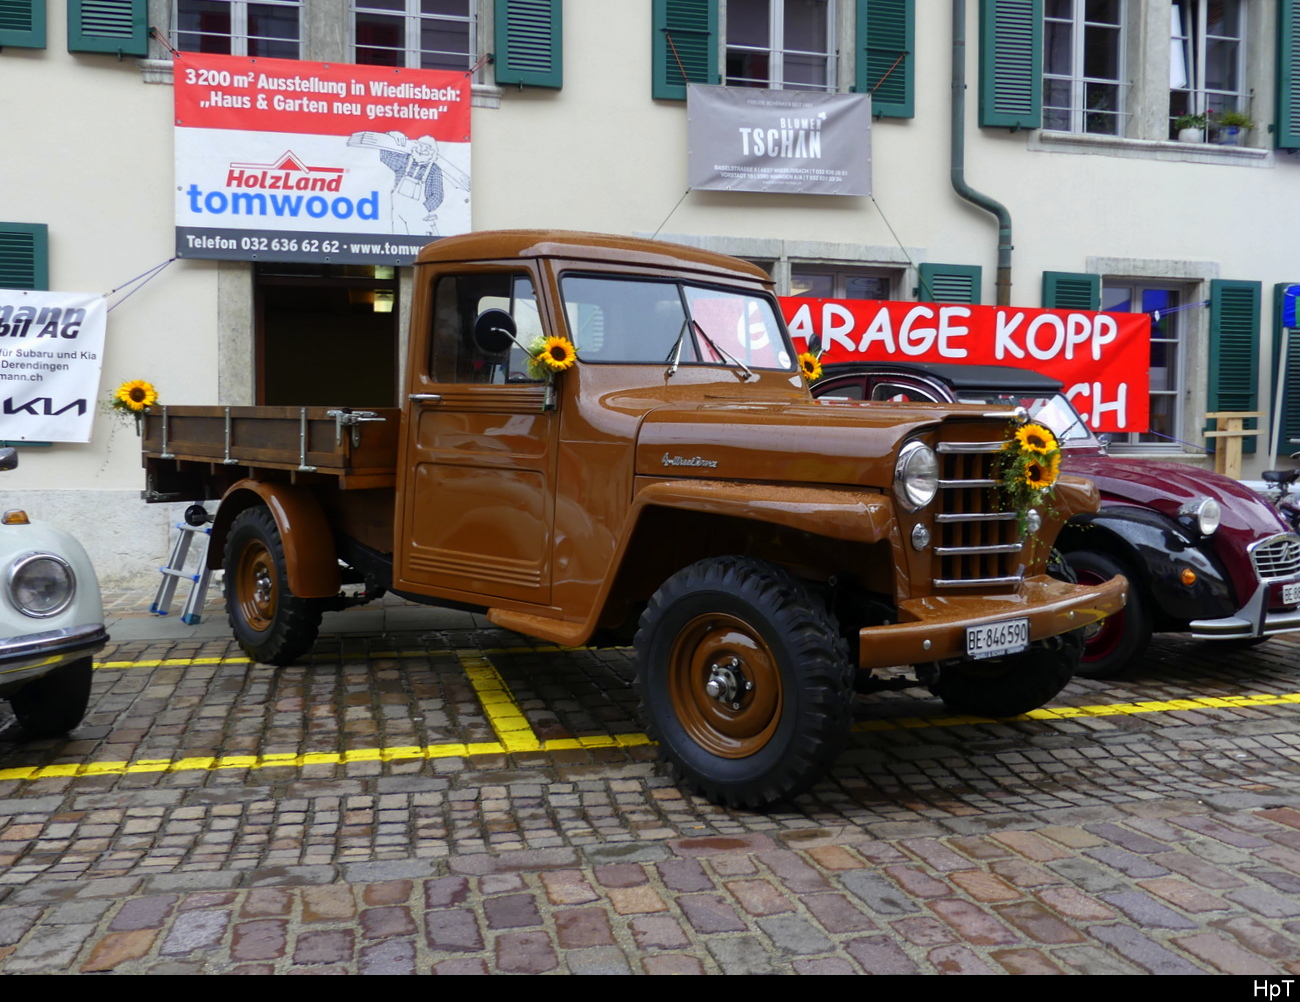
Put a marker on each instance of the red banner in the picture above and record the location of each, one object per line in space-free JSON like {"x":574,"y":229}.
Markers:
{"x":1102,"y":358}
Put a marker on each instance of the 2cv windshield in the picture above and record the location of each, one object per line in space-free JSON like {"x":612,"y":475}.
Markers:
{"x":618,"y":319}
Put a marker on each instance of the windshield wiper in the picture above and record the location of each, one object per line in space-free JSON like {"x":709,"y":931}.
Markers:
{"x":749,"y":373}
{"x":675,"y":353}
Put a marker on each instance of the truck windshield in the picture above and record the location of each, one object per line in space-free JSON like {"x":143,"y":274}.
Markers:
{"x":649,"y":320}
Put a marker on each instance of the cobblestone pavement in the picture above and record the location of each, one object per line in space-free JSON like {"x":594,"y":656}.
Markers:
{"x":458,"y":799}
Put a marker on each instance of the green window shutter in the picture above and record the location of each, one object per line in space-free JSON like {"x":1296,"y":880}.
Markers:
{"x":1288,"y":370}
{"x":24,"y":256}
{"x":949,"y":283}
{"x":1286,"y":131}
{"x":528,"y":43}
{"x":1064,"y":290}
{"x":886,"y":40}
{"x":685,"y":38}
{"x":118,"y":27}
{"x":22,"y":24}
{"x":1234,"y":349}
{"x":1011,"y":63}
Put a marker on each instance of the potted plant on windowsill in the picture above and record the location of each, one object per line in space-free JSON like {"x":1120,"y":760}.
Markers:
{"x":1231,"y":127}
{"x":1191,"y":128}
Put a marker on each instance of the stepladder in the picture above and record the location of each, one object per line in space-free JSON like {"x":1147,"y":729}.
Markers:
{"x":194,"y":528}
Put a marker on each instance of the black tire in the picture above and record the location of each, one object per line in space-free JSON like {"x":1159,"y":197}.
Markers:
{"x":55,"y":703}
{"x":1118,"y":642}
{"x":1008,"y":687}
{"x":271,"y":623}
{"x":738,"y":621}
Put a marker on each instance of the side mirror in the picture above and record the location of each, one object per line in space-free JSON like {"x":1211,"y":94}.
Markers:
{"x":494,"y":332}
{"x":8,"y":459}
{"x":815,"y":344}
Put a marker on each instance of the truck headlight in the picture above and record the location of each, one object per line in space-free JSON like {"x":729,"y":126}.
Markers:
{"x":41,"y":585}
{"x":916,"y":476}
{"x":1204,"y":514}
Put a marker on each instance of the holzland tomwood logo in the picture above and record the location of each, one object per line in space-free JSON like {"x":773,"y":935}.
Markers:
{"x":287,"y":173}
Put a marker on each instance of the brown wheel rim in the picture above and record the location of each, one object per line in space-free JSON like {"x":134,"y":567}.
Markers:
{"x":725,"y":686}
{"x":255,"y":586}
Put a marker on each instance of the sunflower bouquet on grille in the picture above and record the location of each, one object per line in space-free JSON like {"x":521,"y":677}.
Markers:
{"x":1031,"y":462}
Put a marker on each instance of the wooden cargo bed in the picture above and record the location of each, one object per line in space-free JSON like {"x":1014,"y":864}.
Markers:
{"x":191,"y":452}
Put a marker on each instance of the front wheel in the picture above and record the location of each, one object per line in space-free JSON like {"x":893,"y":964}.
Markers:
{"x":55,"y":703}
{"x":1010,"y":686}
{"x":1118,"y":642}
{"x":744,"y":681}
{"x":271,"y":623}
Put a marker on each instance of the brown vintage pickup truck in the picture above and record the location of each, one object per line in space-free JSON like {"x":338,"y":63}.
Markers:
{"x":676,"y":483}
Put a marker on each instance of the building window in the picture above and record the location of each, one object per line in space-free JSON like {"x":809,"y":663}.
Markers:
{"x":1207,"y":58}
{"x":780,"y":44}
{"x":1083,"y":54}
{"x":418,"y":34}
{"x":1167,"y":359}
{"x":839,"y":283}
{"x":239,"y":28}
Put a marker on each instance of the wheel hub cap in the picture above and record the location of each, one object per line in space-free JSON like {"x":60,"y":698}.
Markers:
{"x":727,"y":682}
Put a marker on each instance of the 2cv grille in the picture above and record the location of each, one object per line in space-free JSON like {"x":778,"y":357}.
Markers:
{"x":975,"y":542}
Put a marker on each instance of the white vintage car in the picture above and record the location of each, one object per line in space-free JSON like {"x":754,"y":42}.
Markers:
{"x":51,"y":622}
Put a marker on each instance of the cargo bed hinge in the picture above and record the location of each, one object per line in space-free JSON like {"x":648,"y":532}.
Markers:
{"x":346,"y":418}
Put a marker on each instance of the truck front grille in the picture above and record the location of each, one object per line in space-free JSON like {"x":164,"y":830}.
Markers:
{"x":1277,"y":557}
{"x":975,"y":542}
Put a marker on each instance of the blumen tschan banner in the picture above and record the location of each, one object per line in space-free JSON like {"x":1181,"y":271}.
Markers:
{"x":778,"y":141}
{"x":282,"y":160}
{"x":1102,"y":358}
{"x":51,"y":354}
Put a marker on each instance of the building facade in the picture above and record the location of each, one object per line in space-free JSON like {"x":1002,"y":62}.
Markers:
{"x":1103,"y":127}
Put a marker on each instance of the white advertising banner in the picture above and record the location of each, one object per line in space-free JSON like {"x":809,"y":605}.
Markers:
{"x":51,"y":352}
{"x":283,"y":160}
{"x":778,"y":141}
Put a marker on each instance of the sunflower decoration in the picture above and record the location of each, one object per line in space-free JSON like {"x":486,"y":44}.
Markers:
{"x":549,"y":355}
{"x":1031,"y":462}
{"x":134,"y":396}
{"x":810,"y":366}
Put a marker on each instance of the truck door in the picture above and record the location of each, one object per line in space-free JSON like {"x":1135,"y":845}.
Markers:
{"x":478,"y":498}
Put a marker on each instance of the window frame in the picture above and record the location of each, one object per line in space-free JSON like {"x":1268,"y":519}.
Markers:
{"x":412,"y":18}
{"x":841,"y":275}
{"x":1198,"y":93}
{"x":777,"y":50}
{"x":239,"y":36}
{"x":1078,"y":79}
{"x":1177,"y":391}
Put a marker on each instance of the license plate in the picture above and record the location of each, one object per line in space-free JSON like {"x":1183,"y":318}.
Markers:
{"x":994,"y":640}
{"x":1291,"y":594}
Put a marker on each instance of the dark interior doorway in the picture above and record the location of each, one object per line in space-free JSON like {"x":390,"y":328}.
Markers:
{"x":326,"y":335}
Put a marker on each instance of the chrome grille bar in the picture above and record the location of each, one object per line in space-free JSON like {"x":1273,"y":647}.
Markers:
{"x":985,"y":516}
{"x":946,"y":551}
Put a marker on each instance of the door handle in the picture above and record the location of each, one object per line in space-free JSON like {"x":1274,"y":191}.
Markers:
{"x":424,"y":398}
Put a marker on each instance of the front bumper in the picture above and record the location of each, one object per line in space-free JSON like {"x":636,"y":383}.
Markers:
{"x":936,"y":627}
{"x":25,"y":658}
{"x":1254,"y":619}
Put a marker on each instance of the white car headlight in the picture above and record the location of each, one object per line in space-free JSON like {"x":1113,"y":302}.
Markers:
{"x":41,"y":585}
{"x":1205,"y":514}
{"x":916,"y":476}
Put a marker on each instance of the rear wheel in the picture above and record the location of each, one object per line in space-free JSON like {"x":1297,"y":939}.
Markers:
{"x":744,"y":681}
{"x":55,"y":703}
{"x":271,"y":623}
{"x":1118,"y":642}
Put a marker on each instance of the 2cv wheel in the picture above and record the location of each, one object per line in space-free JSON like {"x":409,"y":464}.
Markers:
{"x":744,"y":681}
{"x":273,"y":625}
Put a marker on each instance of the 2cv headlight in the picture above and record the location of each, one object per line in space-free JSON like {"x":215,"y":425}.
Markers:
{"x":41,"y":585}
{"x":916,"y":476}
{"x":1204,"y":514}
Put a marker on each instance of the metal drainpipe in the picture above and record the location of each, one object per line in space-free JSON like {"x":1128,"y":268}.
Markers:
{"x":959,"y":154}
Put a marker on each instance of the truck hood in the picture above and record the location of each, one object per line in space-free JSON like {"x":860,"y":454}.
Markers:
{"x":1164,"y":487}
{"x":828,"y":442}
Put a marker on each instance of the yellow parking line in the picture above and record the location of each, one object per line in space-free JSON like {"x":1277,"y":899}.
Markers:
{"x":399,"y":655}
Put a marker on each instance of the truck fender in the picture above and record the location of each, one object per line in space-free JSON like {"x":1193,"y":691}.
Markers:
{"x":310,"y":559}
{"x":1157,"y":550}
